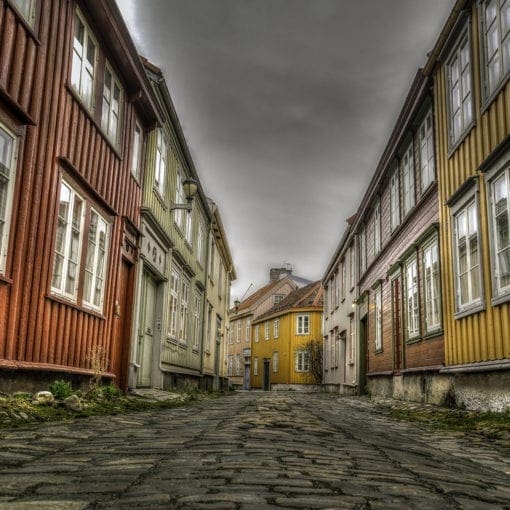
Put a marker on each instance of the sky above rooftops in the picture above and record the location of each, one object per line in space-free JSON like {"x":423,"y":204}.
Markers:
{"x":286,"y":106}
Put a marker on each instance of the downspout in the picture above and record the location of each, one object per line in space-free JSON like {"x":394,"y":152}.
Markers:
{"x":204,"y":305}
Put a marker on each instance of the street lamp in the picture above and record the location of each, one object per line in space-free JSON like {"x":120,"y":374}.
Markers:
{"x":236,"y":304}
{"x":190,"y":187}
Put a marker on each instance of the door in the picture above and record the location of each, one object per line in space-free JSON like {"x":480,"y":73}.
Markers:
{"x":266,"y":375}
{"x":246,"y":381}
{"x":396,"y":293}
{"x":363,"y":355}
{"x":146,"y":331}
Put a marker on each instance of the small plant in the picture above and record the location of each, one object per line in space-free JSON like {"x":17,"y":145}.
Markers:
{"x":110,"y":392}
{"x":99,"y":363}
{"x":61,"y":389}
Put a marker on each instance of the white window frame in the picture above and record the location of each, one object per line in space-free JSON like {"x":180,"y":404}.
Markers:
{"x":352,"y":267}
{"x":66,"y":257}
{"x":81,"y":64}
{"x":473,"y":303}
{"x":278,"y":298}
{"x":99,"y":264}
{"x":255,"y":366}
{"x":362,"y":251}
{"x":179,"y":219}
{"x":200,"y":242}
{"x":427,"y":152}
{"x":136,"y":155}
{"x":266,"y":330}
{"x":499,"y":172}
{"x":275,"y":362}
{"x":197,"y":312}
{"x":238,"y":331}
{"x":27,"y":9}
{"x":377,"y":227}
{"x":459,"y":76}
{"x":175,"y":284}
{"x":111,"y":114}
{"x":257,"y":333}
{"x":11,"y":164}
{"x":408,"y":188}
{"x":432,"y":285}
{"x":378,"y":322}
{"x":302,"y":361}
{"x":184,"y":310}
{"x":412,"y":298}
{"x":248,"y":330}
{"x":395,"y":199}
{"x":276,"y":328}
{"x":497,"y":42}
{"x":352,"y":338}
{"x":230,"y":366}
{"x":303,"y":324}
{"x":161,"y":166}
{"x":238,"y":364}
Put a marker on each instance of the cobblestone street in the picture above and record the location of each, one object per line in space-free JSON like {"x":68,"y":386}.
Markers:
{"x":250,"y":451}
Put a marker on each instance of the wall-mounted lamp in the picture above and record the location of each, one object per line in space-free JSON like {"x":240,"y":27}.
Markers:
{"x":236,"y":304}
{"x":190,"y":187}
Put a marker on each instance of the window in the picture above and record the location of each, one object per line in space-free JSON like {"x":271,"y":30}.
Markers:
{"x":112,"y":97}
{"x":230,"y":365}
{"x":408,"y":180}
{"x":377,"y":227}
{"x":200,"y":242}
{"x":460,"y":102}
{"x":352,"y":346}
{"x":432,"y":290}
{"x":343,"y":281}
{"x":412,"y":306}
{"x":78,"y":221}
{"x":278,"y":298}
{"x":394,"y":200}
{"x":174,"y":302}
{"x":302,"y":363}
{"x":211,"y":265}
{"x":161,"y":163}
{"x":136,"y":156}
{"x":378,"y":318}
{"x":238,"y":364}
{"x":333,"y":349}
{"x":248,"y":329}
{"x":266,"y":330}
{"x":83,"y":69}
{"x":255,"y":366}
{"x":496,"y":32}
{"x":336,"y":339}
{"x":183,"y":316}
{"x":499,"y":190}
{"x":303,"y":325}
{"x":276,"y":328}
{"x":467,"y":256}
{"x":362,"y":251}
{"x":257,"y":333}
{"x":275,"y":361}
{"x":352,"y":267}
{"x":427,"y":162}
{"x":26,"y":9}
{"x":8,"y":163}
{"x":197,"y":312}
{"x":188,"y":230}
{"x":95,"y":262}
{"x":238,"y":335}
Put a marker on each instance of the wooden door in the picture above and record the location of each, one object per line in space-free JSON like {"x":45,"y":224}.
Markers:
{"x":146,"y":331}
{"x":266,"y":374}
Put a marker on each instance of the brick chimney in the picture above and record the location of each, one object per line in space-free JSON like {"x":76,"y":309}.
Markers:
{"x":275,"y":273}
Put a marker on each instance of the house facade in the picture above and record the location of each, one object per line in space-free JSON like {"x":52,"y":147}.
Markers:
{"x":340,"y":350}
{"x":281,"y":283}
{"x":399,"y":310}
{"x":470,"y":67}
{"x":220,"y":276}
{"x":280,"y":354}
{"x":73,"y":97}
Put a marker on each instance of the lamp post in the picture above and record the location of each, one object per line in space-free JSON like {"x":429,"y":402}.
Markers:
{"x":190,"y":187}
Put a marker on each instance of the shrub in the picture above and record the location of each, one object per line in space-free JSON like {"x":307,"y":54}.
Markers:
{"x":61,"y":389}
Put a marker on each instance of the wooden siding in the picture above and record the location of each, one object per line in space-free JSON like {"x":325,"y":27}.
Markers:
{"x":482,"y":336}
{"x":45,"y":331}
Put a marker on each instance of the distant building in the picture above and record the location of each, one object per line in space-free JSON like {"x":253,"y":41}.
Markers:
{"x":282,"y":282}
{"x":281,"y":339}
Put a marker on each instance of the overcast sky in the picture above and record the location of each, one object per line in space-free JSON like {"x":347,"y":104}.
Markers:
{"x":286,"y":106}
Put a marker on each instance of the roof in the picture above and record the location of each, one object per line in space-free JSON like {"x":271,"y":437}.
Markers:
{"x":306,"y":297}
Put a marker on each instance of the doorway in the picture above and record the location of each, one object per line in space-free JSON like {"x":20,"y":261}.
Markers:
{"x":246,"y":381}
{"x":396,"y":298}
{"x":266,"y":374}
{"x":146,"y":331}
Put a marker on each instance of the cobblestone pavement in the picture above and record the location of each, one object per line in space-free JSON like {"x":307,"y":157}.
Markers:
{"x":250,"y":451}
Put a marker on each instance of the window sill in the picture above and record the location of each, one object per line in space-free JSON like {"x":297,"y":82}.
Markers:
{"x":491,"y":97}
{"x":5,"y":280}
{"x":160,"y":198}
{"x":28,"y":27}
{"x":455,"y":145}
{"x":66,"y":302}
{"x":414,"y":340}
{"x":433,"y":334}
{"x":501,"y":299}
{"x":470,"y":311}
{"x":379,"y":351}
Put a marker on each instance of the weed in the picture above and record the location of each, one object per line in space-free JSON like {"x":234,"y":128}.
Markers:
{"x":61,"y":389}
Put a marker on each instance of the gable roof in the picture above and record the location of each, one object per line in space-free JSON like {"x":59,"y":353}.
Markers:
{"x":310,"y":296}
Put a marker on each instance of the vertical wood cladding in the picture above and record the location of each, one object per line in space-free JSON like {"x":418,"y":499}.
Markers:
{"x":38,"y":329}
{"x":485,"y":335}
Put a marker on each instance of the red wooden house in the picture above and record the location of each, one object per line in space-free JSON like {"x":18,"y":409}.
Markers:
{"x":74,"y":108}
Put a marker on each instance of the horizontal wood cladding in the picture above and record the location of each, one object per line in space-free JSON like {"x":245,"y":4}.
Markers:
{"x":18,"y":57}
{"x":485,"y":335}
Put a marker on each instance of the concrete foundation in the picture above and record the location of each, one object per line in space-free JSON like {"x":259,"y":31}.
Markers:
{"x":486,"y":391}
{"x":341,"y":389}
{"x":304,"y":388}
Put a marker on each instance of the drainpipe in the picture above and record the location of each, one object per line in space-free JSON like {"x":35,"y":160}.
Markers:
{"x":204,"y":304}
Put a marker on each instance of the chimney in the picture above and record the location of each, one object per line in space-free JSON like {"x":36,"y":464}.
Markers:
{"x":276,"y":273}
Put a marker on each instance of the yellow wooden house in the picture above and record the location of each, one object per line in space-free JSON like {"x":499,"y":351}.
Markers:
{"x":281,"y":337}
{"x":470,"y":67}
